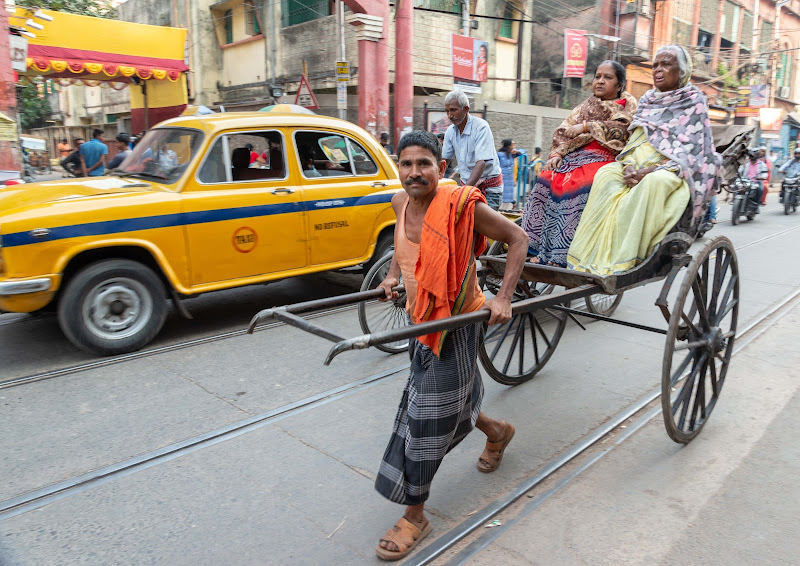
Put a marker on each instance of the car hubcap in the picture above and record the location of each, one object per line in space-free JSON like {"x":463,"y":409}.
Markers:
{"x":117,"y":308}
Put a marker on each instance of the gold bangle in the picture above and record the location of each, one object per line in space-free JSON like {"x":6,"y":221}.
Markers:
{"x":585,"y":129}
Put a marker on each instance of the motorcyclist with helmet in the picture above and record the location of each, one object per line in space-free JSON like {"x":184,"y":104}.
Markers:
{"x":755,"y":170}
{"x":790,"y":169}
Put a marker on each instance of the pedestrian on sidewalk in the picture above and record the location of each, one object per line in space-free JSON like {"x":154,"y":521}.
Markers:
{"x":93,"y":155}
{"x":440,"y":231}
{"x":506,"y":156}
{"x":470,"y":140}
{"x":63,"y":148}
{"x":72,"y":162}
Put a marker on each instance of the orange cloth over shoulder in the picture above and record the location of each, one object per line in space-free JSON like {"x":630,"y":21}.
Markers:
{"x":449,"y":251}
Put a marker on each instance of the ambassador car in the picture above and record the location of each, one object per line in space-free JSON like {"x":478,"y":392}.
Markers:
{"x":202,"y":204}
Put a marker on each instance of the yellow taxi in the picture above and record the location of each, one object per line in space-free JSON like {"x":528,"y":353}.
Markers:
{"x":201,"y":204}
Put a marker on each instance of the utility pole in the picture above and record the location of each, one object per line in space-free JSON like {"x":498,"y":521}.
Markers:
{"x":341,"y":86}
{"x":616,"y":27}
{"x":10,"y":153}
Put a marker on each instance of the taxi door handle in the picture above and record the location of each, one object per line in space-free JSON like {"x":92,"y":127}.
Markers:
{"x":282,"y":190}
{"x":378,"y":184}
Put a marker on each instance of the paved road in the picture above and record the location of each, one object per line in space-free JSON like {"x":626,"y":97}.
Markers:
{"x":295,"y":485}
{"x":727,"y":498}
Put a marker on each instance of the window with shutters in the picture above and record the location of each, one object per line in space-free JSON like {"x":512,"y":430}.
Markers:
{"x":252,"y":26}
{"x":228,"y":23}
{"x":300,"y":11}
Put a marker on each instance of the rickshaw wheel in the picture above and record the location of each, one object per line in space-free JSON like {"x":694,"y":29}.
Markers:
{"x":700,"y":339}
{"x":603,"y":304}
{"x":514,"y":352}
{"x":491,"y":282}
{"x":374,"y":316}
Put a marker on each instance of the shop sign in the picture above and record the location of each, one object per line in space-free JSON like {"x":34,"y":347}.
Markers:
{"x":574,"y":53}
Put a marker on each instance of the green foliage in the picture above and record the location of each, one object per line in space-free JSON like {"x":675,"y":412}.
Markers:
{"x":35,"y":109}
{"x":95,"y":8}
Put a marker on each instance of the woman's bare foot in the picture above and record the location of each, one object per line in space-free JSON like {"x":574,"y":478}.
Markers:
{"x":535,"y":259}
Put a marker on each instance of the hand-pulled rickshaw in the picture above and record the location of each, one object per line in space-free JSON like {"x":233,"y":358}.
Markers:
{"x":700,"y":332}
{"x":701,"y":322}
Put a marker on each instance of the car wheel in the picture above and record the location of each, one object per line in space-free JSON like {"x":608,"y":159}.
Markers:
{"x":113,"y":307}
{"x":384,"y":246}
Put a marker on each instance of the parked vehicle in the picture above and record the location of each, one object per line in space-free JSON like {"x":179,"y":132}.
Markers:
{"x":10,"y":177}
{"x":203,"y":203}
{"x":745,"y":199}
{"x":790,"y":194}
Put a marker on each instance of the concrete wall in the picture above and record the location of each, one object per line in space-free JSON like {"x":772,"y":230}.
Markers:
{"x":547,"y":64}
{"x":529,"y":126}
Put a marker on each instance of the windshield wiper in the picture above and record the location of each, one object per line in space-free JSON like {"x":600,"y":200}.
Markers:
{"x":143,"y":175}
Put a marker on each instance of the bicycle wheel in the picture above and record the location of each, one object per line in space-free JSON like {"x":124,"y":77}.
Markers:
{"x":374,"y":316}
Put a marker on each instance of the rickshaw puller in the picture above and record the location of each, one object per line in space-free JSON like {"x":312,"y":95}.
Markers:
{"x":439,"y":232}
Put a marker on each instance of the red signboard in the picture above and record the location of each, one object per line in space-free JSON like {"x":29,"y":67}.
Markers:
{"x":470,"y":58}
{"x":574,"y":53}
{"x":462,"y":57}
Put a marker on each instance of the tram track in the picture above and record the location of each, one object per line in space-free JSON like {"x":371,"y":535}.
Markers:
{"x":104,"y":362}
{"x":49,"y":494}
{"x":77,"y":484}
{"x":641,"y":410}
{"x":113,"y":360}
{"x":41,"y":497}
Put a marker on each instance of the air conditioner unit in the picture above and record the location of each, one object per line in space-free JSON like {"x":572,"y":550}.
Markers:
{"x":784,"y":92}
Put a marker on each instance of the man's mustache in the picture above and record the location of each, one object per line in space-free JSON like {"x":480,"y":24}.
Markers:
{"x":416,"y":180}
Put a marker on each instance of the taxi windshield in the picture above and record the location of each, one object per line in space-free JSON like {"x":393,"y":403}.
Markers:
{"x":162,"y":154}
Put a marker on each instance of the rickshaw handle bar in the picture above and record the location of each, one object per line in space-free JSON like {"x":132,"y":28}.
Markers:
{"x":340,"y":300}
{"x":457,"y":321}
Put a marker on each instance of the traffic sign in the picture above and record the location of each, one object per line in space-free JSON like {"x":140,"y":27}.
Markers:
{"x":305,"y":96}
{"x":342,"y":71}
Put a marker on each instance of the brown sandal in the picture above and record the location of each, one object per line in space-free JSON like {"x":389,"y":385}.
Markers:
{"x":493,"y":453}
{"x":405,"y":535}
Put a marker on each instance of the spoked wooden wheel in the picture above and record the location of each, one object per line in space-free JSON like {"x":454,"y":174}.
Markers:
{"x":514,"y":352}
{"x":700,"y":339}
{"x":603,"y":304}
{"x":375,"y":315}
{"x":490,"y":281}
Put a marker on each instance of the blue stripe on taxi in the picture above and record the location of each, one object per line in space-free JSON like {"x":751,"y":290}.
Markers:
{"x":186,"y":218}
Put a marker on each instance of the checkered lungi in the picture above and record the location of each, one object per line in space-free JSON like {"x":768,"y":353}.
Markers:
{"x":440,"y":406}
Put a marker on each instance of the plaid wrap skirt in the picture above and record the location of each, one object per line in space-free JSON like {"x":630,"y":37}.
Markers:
{"x":440,"y":406}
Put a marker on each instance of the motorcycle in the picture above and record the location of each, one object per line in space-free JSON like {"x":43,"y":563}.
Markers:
{"x":790,"y":194}
{"x":745,"y":199}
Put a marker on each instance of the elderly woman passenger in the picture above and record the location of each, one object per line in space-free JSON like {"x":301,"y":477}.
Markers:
{"x":590,"y":137}
{"x":668,"y":161}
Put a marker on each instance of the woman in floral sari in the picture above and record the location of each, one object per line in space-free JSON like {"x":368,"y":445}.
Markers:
{"x":668,"y":160}
{"x":590,"y":137}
